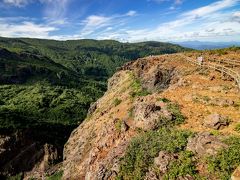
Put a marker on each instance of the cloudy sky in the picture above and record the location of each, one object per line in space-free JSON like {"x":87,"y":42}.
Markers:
{"x":123,"y":20}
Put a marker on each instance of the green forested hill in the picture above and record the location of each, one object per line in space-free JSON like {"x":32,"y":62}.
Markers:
{"x":36,"y":90}
{"x":89,"y":57}
{"x":47,"y":81}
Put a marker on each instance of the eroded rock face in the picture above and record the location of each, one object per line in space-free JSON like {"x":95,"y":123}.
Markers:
{"x":94,"y":149}
{"x":19,"y":153}
{"x":216,"y":121}
{"x":204,"y":144}
{"x":153,"y":78}
{"x":33,"y":152}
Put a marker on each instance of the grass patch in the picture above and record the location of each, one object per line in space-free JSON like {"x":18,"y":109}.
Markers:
{"x":137,"y":89}
{"x":165,"y":100}
{"x":237,"y":128}
{"x":118,"y":125}
{"x":227,"y":160}
{"x":215,"y":132}
{"x":143,"y":149}
{"x":116,"y":102}
{"x":130,"y":112}
{"x":57,"y":176}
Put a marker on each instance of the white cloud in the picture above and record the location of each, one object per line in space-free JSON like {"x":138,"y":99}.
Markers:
{"x":131,"y":13}
{"x":17,"y":3}
{"x":219,"y":5}
{"x":213,"y":22}
{"x":55,"y":9}
{"x":178,"y":2}
{"x":236,"y":14}
{"x":25,"y":29}
{"x":204,"y":23}
{"x":93,"y":21}
{"x":92,"y":24}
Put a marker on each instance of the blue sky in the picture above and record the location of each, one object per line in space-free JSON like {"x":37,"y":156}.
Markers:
{"x":123,"y":20}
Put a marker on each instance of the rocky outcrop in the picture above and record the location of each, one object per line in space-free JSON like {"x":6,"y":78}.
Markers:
{"x":216,"y":121}
{"x":95,"y":153}
{"x":149,"y":116}
{"x":204,"y":144}
{"x":153,"y":77}
{"x":159,"y":79}
{"x":95,"y":149}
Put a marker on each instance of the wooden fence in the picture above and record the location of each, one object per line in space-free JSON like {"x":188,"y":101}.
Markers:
{"x":217,"y":66}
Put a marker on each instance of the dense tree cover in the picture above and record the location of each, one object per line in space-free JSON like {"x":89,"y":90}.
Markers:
{"x":28,"y":105}
{"x":89,"y":57}
{"x":48,"y":81}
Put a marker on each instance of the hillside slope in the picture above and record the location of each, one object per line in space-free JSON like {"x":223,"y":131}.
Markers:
{"x":46,"y":88}
{"x":161,"y":118}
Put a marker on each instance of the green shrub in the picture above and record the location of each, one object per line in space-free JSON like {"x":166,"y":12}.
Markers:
{"x":117,"y":101}
{"x":165,"y":100}
{"x":176,"y":113}
{"x":182,"y":166}
{"x":144,"y":148}
{"x":142,"y":92}
{"x":227,"y":160}
{"x":16,"y":177}
{"x":137,"y":89}
{"x":56,"y":176}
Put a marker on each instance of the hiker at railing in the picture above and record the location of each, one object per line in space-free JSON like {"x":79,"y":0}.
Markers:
{"x":200,"y":60}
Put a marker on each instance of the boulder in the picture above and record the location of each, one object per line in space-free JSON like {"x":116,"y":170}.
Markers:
{"x":146,"y":116}
{"x":161,"y":163}
{"x":151,"y":175}
{"x":159,"y":79}
{"x":124,"y":127}
{"x":150,"y":115}
{"x":163,"y":160}
{"x":204,"y":144}
{"x":216,"y":121}
{"x":92,"y":108}
{"x":221,"y":102}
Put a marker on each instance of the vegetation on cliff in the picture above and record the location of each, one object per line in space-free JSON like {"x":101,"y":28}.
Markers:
{"x":55,"y":81}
